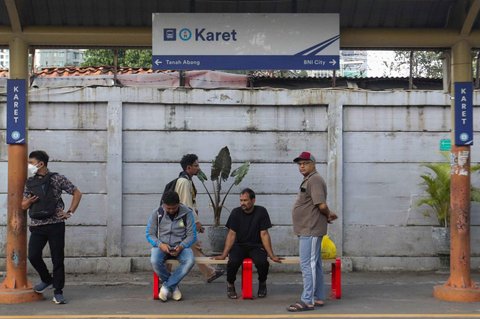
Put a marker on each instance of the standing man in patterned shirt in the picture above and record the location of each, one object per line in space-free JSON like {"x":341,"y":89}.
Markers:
{"x":310,"y":217}
{"x":42,"y":197}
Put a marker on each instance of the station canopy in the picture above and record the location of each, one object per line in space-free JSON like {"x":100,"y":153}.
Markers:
{"x":127,"y":23}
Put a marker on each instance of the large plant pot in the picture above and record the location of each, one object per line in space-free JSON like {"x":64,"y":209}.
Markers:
{"x":441,"y":242}
{"x":217,"y":236}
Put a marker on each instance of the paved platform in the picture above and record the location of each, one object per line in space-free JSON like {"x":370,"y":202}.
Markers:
{"x":365,"y":295}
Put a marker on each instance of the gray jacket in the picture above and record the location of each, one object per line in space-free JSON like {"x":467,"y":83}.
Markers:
{"x":179,"y":231}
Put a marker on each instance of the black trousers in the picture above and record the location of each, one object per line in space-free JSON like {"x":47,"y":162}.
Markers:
{"x":54,"y":234}
{"x":235,"y":260}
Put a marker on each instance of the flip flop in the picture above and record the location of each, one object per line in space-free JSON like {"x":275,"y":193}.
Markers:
{"x":218,"y":273}
{"x":231,"y":293}
{"x":319,"y":303}
{"x":300,"y":306}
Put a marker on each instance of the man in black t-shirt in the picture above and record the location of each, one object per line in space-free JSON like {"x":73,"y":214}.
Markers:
{"x":248,"y":237}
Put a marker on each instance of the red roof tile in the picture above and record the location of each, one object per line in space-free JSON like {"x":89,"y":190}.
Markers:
{"x":91,"y":71}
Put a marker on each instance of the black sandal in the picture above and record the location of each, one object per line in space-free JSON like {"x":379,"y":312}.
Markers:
{"x":231,"y":293}
{"x":300,"y":306}
{"x":218,"y":273}
{"x":262,"y":290}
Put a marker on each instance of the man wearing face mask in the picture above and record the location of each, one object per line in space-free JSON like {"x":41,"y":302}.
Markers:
{"x":42,"y":198}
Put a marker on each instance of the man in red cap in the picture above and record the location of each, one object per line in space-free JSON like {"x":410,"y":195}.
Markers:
{"x":310,"y":217}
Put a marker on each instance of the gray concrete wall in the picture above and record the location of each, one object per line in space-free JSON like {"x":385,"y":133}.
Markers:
{"x":120,"y":146}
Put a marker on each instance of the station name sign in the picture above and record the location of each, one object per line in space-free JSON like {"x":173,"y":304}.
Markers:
{"x":16,"y":115}
{"x":463,"y":113}
{"x":205,"y":41}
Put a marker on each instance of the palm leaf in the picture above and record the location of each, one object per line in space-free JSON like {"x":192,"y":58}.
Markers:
{"x":475,"y":194}
{"x":201,"y":176}
{"x":222,"y":165}
{"x":437,"y":187}
{"x":240,"y":172}
{"x":475,"y":167}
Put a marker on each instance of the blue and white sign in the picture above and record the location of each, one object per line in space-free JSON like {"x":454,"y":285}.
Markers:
{"x":16,"y":105}
{"x":463,"y":113}
{"x":204,"y":41}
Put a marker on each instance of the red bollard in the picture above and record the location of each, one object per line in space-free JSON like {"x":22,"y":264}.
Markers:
{"x":247,"y":279}
{"x":336,"y":292}
{"x":156,"y":286}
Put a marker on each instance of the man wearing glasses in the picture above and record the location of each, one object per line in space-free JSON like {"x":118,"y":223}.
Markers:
{"x":310,"y":217}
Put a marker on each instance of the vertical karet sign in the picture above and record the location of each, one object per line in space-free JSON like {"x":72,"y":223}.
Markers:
{"x":16,"y":114}
{"x":463,"y":113}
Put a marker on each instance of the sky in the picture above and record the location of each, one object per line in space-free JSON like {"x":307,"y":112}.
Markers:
{"x":376,"y":64}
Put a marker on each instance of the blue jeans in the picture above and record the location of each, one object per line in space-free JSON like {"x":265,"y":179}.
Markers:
{"x":170,"y":281}
{"x":311,"y":266}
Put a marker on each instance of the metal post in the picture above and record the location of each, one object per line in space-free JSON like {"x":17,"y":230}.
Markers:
{"x":477,"y":70}
{"x":16,"y":288}
{"x":410,"y":75}
{"x":459,"y":287}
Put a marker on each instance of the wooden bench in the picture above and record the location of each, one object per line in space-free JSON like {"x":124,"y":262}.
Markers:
{"x":336,"y":266}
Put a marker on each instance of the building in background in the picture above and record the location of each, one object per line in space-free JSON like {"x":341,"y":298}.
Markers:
{"x":353,"y":63}
{"x":58,"y":57}
{"x":4,"y":58}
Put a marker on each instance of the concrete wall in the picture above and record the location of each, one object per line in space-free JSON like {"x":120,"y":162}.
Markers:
{"x":120,"y":146}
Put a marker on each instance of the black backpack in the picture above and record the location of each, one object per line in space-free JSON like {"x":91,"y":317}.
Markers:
{"x":46,"y":205}
{"x":171,"y":185}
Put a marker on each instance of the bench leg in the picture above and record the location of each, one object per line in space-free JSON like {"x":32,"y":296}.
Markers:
{"x":336,"y":292}
{"x":247,"y":279}
{"x":156,"y":286}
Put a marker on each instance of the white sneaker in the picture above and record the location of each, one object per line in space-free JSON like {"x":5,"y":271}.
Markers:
{"x":177,"y":295}
{"x":163,"y":293}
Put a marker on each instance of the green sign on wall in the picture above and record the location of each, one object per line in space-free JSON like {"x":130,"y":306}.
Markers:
{"x":445,"y":145}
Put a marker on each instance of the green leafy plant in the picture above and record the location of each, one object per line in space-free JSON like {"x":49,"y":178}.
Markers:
{"x":220,"y":172}
{"x":437,"y":186}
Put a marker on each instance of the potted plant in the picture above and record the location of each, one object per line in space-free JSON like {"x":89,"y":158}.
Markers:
{"x":220,"y":172}
{"x":436,"y":184}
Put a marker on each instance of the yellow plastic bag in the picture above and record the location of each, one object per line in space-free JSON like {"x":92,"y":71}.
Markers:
{"x":329,"y":251}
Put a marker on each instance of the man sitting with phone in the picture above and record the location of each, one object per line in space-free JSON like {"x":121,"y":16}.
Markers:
{"x":171,"y":231}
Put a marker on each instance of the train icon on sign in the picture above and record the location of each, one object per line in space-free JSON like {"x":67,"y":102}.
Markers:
{"x":169,"y":34}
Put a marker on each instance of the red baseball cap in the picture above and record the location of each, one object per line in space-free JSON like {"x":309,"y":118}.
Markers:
{"x":306,"y":156}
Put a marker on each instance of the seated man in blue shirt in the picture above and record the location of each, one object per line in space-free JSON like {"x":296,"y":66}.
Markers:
{"x":248,"y":237}
{"x":171,"y":231}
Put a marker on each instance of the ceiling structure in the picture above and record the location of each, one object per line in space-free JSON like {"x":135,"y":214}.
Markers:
{"x":127,"y":23}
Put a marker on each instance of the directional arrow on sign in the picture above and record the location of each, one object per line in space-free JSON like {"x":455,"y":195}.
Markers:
{"x":157,"y":62}
{"x":333,"y":62}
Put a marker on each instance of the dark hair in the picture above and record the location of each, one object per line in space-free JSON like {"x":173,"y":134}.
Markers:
{"x":188,"y":159}
{"x":40,"y":156}
{"x":248,"y":191}
{"x":170,"y":198}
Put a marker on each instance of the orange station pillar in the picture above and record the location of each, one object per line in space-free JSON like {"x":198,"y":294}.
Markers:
{"x":459,"y":287}
{"x":16,"y":288}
